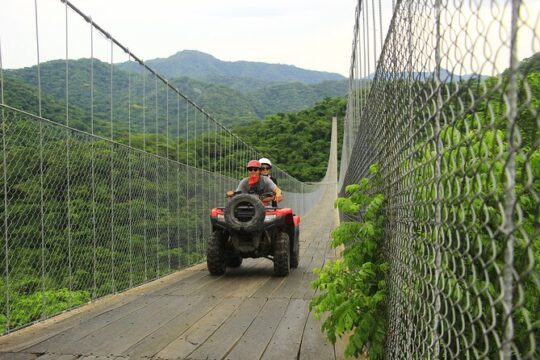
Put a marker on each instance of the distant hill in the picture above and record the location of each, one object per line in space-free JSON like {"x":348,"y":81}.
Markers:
{"x":202,"y":66}
{"x":238,"y":101}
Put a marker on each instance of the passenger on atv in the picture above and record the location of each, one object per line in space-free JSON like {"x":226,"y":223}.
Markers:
{"x":255,"y":184}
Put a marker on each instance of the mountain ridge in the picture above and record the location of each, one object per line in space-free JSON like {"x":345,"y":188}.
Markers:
{"x":202,"y":66}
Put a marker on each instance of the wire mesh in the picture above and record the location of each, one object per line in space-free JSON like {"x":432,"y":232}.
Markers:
{"x":451,"y":116}
{"x":108,"y":174}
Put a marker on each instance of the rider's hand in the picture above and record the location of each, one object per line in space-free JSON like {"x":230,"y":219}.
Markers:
{"x":278,"y":197}
{"x":230,"y":194}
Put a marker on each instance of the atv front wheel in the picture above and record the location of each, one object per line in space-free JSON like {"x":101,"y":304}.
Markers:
{"x":215,"y":254}
{"x":282,"y":255}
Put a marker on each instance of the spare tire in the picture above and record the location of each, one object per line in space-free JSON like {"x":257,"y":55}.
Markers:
{"x":245,"y":212}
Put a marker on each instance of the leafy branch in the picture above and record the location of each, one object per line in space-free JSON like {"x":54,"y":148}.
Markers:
{"x":353,"y":288}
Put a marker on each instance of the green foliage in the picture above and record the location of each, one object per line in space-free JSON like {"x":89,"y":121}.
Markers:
{"x":474,"y":161}
{"x":25,"y":308}
{"x":353,"y":289}
{"x":298,"y":142}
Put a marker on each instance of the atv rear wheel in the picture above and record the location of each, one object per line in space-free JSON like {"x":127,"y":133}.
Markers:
{"x":282,"y":255}
{"x":215,"y":254}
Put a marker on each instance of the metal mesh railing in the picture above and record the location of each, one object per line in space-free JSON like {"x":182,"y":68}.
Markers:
{"x":451,"y":116}
{"x":108,"y":173}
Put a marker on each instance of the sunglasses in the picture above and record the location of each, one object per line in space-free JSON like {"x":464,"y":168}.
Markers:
{"x":265,"y":167}
{"x":253,"y":169}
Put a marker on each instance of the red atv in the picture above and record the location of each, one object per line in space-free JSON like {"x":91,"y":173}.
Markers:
{"x":246,"y":228}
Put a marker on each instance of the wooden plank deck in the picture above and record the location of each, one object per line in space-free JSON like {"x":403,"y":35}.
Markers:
{"x":245,"y":314}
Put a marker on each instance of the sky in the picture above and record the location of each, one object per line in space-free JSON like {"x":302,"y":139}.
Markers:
{"x":310,"y":34}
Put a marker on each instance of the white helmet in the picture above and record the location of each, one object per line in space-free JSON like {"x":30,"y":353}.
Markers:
{"x":265,"y":161}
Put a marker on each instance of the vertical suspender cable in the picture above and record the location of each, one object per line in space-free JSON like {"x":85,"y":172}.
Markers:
{"x":167,"y":176}
{"x":113,"y":285}
{"x":436,"y":327}
{"x":42,"y":212}
{"x":130,"y":185}
{"x":187,"y":212}
{"x":4,"y":174}
{"x":156,"y":147}
{"x":366,"y":37}
{"x":178,"y":207}
{"x":509,"y":225}
{"x":68,"y":170}
{"x":381,"y":25}
{"x":196,"y":173}
{"x":374,"y":36}
{"x":94,"y":237}
{"x":145,"y":227}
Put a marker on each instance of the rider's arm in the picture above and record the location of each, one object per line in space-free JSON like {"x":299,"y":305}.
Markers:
{"x":279,"y":196}
{"x":275,"y":189}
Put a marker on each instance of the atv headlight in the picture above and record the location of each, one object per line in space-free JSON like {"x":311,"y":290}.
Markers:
{"x":221,"y":217}
{"x":269,"y":218}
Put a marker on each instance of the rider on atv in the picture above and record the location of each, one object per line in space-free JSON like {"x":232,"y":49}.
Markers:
{"x":256,"y":184}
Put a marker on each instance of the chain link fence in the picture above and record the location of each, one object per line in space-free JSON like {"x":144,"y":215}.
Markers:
{"x":451,"y":116}
{"x":108,"y":173}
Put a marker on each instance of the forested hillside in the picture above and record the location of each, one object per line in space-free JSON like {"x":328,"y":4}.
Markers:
{"x":300,"y":141}
{"x":241,"y":100}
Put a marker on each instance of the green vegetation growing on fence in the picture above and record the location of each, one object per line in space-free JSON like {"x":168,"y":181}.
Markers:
{"x":450,"y":223}
{"x":353,"y":289}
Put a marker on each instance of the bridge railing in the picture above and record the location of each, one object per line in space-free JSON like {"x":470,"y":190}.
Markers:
{"x":107,"y":171}
{"x":452,"y":118}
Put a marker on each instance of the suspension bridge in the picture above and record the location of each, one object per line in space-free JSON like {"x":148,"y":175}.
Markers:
{"x":108,"y":176}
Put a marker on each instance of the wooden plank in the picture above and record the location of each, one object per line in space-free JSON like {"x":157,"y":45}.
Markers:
{"x":119,"y":335}
{"x":172,"y":330}
{"x":17,"y":356}
{"x":27,"y":337}
{"x":223,"y":340}
{"x":285,"y":343}
{"x":304,"y":290}
{"x":271,"y":285}
{"x":252,"y":344}
{"x":194,"y":288}
{"x":289,"y":285}
{"x":92,"y":324}
{"x":315,"y":344}
{"x":243,"y":287}
{"x":231,"y":277}
{"x":54,"y":356}
{"x":200,"y":331}
{"x":184,"y":285}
